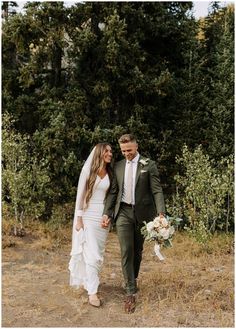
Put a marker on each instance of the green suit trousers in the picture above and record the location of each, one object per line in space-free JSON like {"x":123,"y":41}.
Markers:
{"x":131,"y":245}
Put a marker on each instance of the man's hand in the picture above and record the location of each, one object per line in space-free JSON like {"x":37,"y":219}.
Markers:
{"x":105,"y":221}
{"x":79,"y":224}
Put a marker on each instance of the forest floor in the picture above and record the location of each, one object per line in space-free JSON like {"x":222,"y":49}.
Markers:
{"x":191,"y":288}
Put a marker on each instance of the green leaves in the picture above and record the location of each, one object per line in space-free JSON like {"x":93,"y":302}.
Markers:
{"x":75,"y":76}
{"x":24,"y":177}
{"x":205,"y":193}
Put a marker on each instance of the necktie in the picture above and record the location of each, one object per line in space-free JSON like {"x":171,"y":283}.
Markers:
{"x":129,"y":183}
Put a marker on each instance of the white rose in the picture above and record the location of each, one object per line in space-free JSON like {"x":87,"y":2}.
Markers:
{"x":165,"y":233}
{"x":150,"y":226}
{"x":164,"y":222}
{"x":153,"y":234}
{"x":156,"y":222}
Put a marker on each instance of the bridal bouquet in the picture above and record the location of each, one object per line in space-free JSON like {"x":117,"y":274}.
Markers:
{"x":160,"y":230}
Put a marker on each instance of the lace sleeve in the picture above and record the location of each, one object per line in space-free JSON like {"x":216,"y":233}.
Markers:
{"x":81,"y":190}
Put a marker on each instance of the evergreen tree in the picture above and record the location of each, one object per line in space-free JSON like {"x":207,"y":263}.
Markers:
{"x":76,"y":76}
{"x":221,"y":103}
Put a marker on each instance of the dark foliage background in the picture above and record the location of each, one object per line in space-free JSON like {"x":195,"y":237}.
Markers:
{"x":72,"y":77}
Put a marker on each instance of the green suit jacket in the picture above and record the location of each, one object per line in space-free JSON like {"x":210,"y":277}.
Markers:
{"x":149,"y":200}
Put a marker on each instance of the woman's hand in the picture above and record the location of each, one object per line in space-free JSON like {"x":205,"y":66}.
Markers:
{"x":105,"y":221}
{"x":79,"y":224}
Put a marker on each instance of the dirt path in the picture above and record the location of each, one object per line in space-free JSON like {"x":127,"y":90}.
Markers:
{"x":36,"y":293}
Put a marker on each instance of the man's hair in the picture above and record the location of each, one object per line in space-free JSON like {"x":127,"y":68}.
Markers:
{"x":126,"y":138}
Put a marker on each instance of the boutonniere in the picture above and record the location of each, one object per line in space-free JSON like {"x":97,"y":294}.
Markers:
{"x":144,"y":162}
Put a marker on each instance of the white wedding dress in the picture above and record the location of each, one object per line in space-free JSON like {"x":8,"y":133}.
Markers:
{"x":88,"y":245}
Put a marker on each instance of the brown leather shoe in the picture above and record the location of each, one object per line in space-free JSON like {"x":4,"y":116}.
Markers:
{"x":130,"y":304}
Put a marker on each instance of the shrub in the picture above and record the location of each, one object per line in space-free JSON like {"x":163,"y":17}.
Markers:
{"x":23,"y":177}
{"x":204,"y":193}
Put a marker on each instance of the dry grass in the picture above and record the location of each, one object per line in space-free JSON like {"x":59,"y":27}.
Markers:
{"x":191,"y":288}
{"x":195,"y":285}
{"x":49,"y":237}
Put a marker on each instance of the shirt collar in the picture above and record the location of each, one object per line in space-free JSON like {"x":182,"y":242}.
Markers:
{"x":135,"y":160}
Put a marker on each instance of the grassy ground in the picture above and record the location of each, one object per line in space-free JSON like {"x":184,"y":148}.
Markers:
{"x":191,"y":288}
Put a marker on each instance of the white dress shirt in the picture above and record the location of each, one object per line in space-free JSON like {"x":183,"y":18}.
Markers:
{"x":135,"y":165}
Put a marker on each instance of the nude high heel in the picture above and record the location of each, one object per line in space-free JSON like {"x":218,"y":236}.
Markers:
{"x":94,"y":301}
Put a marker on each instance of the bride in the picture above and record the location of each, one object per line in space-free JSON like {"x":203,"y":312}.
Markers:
{"x":88,"y":235}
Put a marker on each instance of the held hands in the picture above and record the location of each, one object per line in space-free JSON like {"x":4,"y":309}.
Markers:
{"x":105,"y":221}
{"x":79,"y":224}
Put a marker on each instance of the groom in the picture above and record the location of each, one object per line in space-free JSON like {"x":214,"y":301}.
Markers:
{"x":135,"y":196}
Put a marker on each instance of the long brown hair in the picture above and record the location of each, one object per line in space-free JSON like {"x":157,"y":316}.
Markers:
{"x":96,"y":166}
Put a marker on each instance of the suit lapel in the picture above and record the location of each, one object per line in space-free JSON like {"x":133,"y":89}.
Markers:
{"x":121,"y":173}
{"x":139,"y":167}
